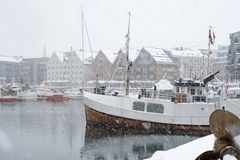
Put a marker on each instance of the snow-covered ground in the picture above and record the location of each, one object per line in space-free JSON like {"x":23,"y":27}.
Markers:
{"x":188,"y":151}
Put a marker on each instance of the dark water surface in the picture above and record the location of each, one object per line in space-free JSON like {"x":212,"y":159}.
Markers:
{"x":56,"y":131}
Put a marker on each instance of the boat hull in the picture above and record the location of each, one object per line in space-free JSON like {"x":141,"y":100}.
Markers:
{"x":115,"y":125}
{"x":8,"y":99}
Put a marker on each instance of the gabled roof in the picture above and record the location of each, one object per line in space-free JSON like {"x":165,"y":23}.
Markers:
{"x":60,"y":55}
{"x":159,"y":55}
{"x":111,"y":55}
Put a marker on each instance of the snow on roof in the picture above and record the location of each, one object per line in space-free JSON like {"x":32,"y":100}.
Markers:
{"x":159,"y":55}
{"x":187,"y":53}
{"x":8,"y":59}
{"x":111,"y":55}
{"x":60,"y":55}
{"x":193,"y":150}
{"x":164,"y":84}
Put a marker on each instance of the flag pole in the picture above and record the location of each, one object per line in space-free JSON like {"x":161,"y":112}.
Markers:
{"x":209,"y":49}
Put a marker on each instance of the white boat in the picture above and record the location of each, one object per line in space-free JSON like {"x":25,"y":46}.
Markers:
{"x":26,"y":94}
{"x":73,"y":94}
{"x":29,"y":96}
{"x":186,"y":112}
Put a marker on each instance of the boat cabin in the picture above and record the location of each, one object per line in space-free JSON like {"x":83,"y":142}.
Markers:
{"x":186,"y":91}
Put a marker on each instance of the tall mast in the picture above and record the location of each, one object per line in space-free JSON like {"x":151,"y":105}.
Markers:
{"x":209,"y":49}
{"x":82,"y":49}
{"x":128,"y":65}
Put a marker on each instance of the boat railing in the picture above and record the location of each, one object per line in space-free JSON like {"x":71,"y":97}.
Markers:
{"x":155,"y":94}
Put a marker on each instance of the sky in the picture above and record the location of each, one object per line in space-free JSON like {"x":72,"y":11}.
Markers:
{"x":27,"y":25}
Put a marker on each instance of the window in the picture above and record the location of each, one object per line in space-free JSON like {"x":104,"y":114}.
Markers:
{"x":177,"y":89}
{"x":192,"y":91}
{"x":155,"y":108}
{"x":139,"y":106}
{"x":199,"y":92}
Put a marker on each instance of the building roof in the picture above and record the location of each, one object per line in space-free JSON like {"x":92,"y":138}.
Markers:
{"x":8,"y":59}
{"x":187,"y":53}
{"x":159,"y":55}
{"x":111,"y":55}
{"x":60,"y":55}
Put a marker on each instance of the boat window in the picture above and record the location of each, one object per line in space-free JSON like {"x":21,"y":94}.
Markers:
{"x":139,"y":106}
{"x":155,"y":108}
{"x":192,"y":91}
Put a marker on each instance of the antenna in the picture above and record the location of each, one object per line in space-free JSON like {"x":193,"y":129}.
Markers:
{"x":44,"y":54}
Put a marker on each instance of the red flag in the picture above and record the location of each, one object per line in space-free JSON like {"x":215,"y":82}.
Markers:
{"x":211,"y":37}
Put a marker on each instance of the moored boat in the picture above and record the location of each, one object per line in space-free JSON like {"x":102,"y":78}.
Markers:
{"x":26,"y":94}
{"x":8,"y":94}
{"x":73,"y":94}
{"x":187,"y":111}
{"x":44,"y":93}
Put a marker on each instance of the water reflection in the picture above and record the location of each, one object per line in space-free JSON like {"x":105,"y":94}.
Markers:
{"x":42,"y":130}
{"x":128,"y":147}
{"x":57,"y":131}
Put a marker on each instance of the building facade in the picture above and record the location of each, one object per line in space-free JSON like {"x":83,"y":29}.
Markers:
{"x":119,"y":67}
{"x":167,"y":68}
{"x":191,"y":63}
{"x":144,"y":67}
{"x":219,"y":62}
{"x":233,"y":58}
{"x":101,"y":67}
{"x":65,"y":69}
{"x":33,"y":70}
{"x":8,"y":69}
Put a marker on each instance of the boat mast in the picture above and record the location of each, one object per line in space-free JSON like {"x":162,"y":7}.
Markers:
{"x":82,"y":49}
{"x":209,"y":49}
{"x":128,"y":65}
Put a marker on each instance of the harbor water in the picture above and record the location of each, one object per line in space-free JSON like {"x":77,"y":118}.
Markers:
{"x":57,"y":131}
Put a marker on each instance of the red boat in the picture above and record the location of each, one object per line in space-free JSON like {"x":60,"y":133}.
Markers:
{"x":8,"y":94}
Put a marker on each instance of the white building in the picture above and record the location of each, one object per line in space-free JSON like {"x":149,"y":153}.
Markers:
{"x":191,"y":62}
{"x":219,"y":62}
{"x":65,"y":68}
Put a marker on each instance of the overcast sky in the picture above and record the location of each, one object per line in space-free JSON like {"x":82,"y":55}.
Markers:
{"x":26,"y":25}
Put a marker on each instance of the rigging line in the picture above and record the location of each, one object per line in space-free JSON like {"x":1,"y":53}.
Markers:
{"x":89,"y":42}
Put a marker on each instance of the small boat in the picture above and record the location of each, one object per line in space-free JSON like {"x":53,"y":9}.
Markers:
{"x":77,"y":94}
{"x":44,"y":93}
{"x":8,"y":94}
{"x":26,"y":94}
